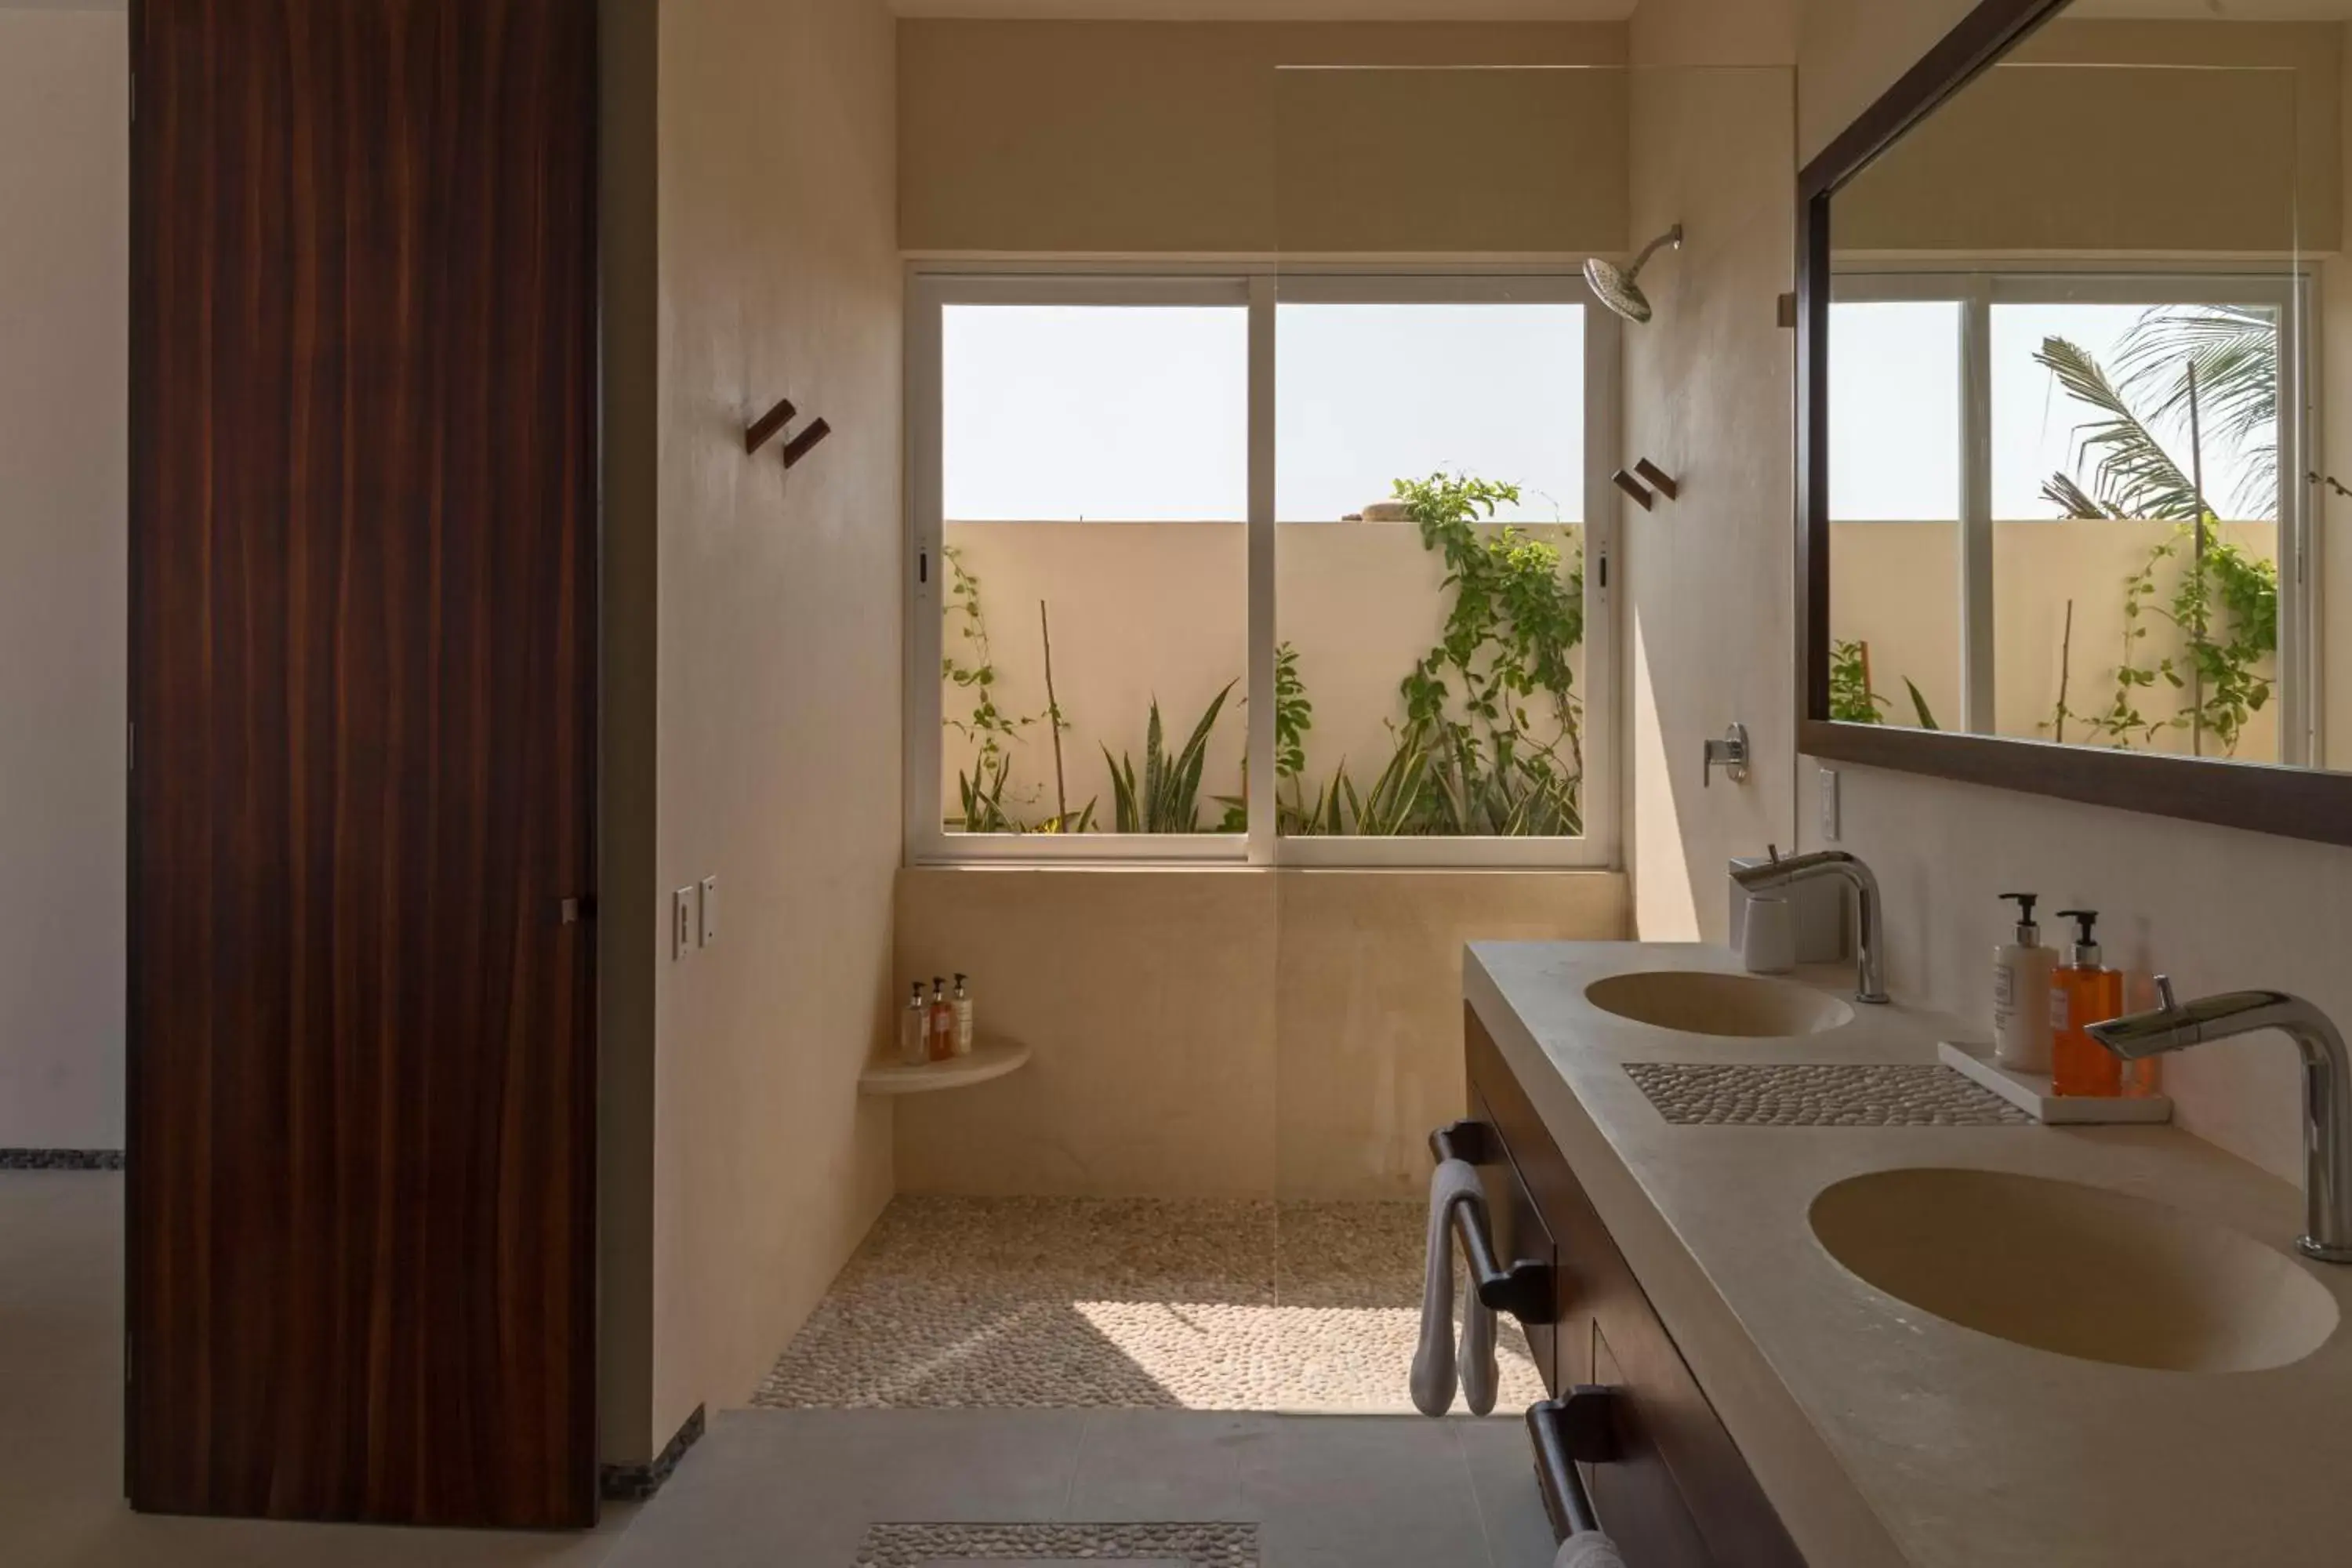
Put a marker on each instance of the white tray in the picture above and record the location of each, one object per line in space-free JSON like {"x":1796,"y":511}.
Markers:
{"x":2029,"y":1092}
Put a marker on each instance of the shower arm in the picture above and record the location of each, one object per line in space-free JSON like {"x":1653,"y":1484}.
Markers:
{"x":1673,"y":237}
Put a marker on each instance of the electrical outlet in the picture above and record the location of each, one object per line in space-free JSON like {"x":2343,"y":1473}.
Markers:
{"x":1826,"y":790}
{"x":682,"y":922}
{"x":708,"y":907}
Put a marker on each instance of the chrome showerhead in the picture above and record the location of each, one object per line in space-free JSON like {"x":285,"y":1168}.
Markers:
{"x":1619,"y":289}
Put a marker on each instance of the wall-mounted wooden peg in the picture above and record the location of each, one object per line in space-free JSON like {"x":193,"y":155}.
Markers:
{"x":763,"y":430}
{"x":1660,"y":481}
{"x":802,"y":445}
{"x":1632,"y":487}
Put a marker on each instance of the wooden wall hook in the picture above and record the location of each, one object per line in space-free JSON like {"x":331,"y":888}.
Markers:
{"x":1660,"y":481}
{"x":764,"y":430}
{"x":1633,"y":486}
{"x":802,"y":445}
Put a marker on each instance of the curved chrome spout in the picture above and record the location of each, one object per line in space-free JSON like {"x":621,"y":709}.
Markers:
{"x":1870,"y":944}
{"x":2326,"y":1087}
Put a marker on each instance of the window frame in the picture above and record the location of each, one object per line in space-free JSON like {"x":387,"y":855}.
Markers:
{"x":1262,"y":289}
{"x":1979,"y":287}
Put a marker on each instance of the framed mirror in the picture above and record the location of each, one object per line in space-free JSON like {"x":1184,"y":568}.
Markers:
{"x":2067,"y":375}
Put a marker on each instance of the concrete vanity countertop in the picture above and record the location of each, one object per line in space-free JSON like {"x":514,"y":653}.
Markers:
{"x":1884,"y":1435}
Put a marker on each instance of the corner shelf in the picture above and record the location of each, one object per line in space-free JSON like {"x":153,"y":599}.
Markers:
{"x":988,"y":1059}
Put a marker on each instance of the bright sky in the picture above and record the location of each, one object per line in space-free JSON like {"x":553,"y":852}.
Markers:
{"x":1894,"y":414}
{"x":1141,"y":413}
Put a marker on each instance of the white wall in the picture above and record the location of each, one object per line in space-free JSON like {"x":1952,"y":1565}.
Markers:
{"x":64,"y":333}
{"x":2215,"y":907}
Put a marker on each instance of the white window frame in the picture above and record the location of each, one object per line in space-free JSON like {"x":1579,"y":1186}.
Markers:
{"x":1977,"y":290}
{"x":1262,"y":289}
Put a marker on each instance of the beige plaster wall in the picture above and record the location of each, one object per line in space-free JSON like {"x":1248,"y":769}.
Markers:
{"x":2217,"y":908}
{"x":1178,"y":138}
{"x":753,"y":667}
{"x":1226,"y":1032}
{"x":2084,"y":139}
{"x":1709,"y":579}
{"x":64,"y":555}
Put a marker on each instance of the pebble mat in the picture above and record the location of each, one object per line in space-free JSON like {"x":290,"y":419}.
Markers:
{"x":1772,"y":1094}
{"x":1034,"y":1303}
{"x":1190,"y":1545}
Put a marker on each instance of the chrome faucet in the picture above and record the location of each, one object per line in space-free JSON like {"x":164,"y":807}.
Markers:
{"x":2326,"y":1088}
{"x":1870,"y":944}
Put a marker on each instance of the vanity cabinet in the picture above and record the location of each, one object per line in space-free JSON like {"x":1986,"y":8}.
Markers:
{"x":1678,"y":1494}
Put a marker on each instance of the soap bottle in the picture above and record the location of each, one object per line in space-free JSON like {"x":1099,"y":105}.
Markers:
{"x":962,"y":1017}
{"x":2083,"y":992}
{"x":2021,"y":993}
{"x":915,"y":1031}
{"x":942,"y":1021}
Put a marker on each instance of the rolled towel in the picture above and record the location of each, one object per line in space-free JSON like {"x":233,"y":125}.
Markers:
{"x":1453,"y":1183}
{"x":1590,"y":1550}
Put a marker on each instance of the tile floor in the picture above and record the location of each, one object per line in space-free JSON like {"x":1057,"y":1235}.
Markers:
{"x":784,"y":1489}
{"x":1027,"y":1303}
{"x":772,"y":1487}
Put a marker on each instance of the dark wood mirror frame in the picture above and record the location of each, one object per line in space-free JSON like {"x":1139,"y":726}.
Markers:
{"x":2296,"y":803}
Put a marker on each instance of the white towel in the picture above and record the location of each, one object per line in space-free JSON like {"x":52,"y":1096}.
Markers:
{"x":1453,"y":1183}
{"x":1590,"y":1550}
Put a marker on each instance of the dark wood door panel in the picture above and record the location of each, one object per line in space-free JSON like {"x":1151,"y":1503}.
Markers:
{"x":361,"y":1252}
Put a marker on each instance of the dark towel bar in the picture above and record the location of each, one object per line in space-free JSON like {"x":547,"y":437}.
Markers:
{"x":1566,"y":1433}
{"x":1524,"y":1289}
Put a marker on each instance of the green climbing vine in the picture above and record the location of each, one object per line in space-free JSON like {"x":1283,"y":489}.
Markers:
{"x":2225,"y":611}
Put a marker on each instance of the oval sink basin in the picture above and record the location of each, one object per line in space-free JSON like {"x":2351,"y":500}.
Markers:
{"x":1700,"y":1002}
{"x":2077,"y":1270}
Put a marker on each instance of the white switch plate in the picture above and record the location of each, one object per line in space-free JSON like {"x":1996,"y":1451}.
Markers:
{"x":681,"y":922}
{"x":708,"y":905}
{"x":1827,"y":789}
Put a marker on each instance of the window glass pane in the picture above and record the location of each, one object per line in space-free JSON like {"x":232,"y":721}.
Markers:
{"x":1895,"y":511}
{"x":1894,"y":411}
{"x":2102,"y":634}
{"x":1068,"y":413}
{"x":1096,"y":489}
{"x":1372,"y":394}
{"x":1387,"y":725}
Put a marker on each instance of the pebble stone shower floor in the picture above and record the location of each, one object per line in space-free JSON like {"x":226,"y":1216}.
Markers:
{"x":1030,"y":1303}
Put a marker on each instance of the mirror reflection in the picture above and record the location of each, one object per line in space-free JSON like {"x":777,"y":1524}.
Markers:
{"x":2078,"y":477}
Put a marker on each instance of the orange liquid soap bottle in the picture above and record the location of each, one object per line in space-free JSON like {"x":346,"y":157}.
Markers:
{"x":2082,"y":993}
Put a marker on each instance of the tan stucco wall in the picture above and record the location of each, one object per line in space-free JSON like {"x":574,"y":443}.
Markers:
{"x":1141,"y":609}
{"x":65,"y":239}
{"x":1215,"y":1032}
{"x":1896,"y":586}
{"x":753,"y":677}
{"x":2217,"y":908}
{"x":1172,"y":138}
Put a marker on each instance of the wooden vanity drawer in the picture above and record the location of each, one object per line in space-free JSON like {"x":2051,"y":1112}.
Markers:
{"x":1519,"y":1234}
{"x":1681,"y":1487}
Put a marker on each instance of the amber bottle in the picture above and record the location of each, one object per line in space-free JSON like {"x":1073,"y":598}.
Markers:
{"x":2082,"y":993}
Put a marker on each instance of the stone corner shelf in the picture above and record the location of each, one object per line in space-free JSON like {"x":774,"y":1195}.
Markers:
{"x":989,"y":1059}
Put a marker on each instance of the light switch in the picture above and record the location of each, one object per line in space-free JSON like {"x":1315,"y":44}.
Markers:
{"x":682,"y":921}
{"x":708,"y":904}
{"x":1826,"y":787}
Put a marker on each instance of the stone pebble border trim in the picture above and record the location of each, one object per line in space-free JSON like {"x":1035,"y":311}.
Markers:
{"x":920,"y":1545}
{"x":1823,"y":1094}
{"x":60,"y":1159}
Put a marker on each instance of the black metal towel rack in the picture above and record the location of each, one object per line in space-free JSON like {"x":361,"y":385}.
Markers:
{"x":1578,"y":1430}
{"x":1523,"y":1288}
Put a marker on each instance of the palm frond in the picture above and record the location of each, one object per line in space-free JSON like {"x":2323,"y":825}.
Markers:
{"x":2072,"y":501}
{"x":2130,"y":470}
{"x":2235,"y":351}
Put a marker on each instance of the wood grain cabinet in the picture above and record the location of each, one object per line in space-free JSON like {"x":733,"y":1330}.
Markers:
{"x":1678,"y":1495}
